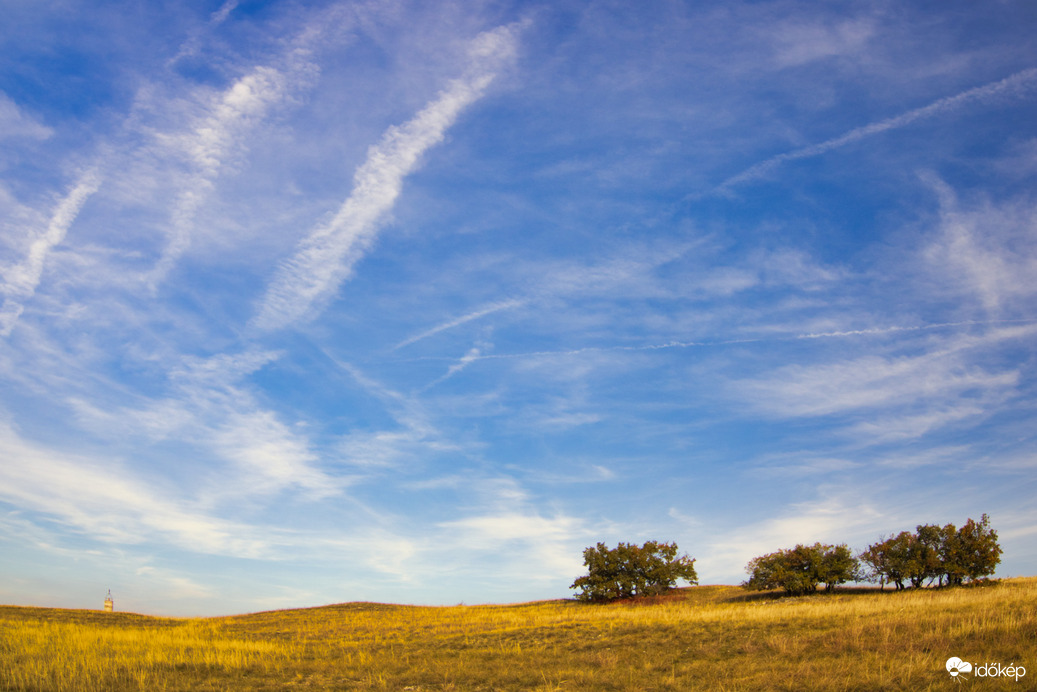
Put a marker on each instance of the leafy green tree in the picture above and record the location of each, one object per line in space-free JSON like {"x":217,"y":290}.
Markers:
{"x":801,"y":569}
{"x":953,"y":561}
{"x":838,"y":565}
{"x":935,"y":553}
{"x":775,"y":570}
{"x":971,"y":552}
{"x":887,"y":561}
{"x":924,"y":550}
{"x":629,"y":570}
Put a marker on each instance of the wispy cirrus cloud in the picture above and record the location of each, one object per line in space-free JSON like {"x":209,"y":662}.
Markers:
{"x":118,"y":508}
{"x":251,"y":448}
{"x":267,"y":455}
{"x":192,"y":45}
{"x":890,"y":382}
{"x":326,"y":257}
{"x":986,"y":250}
{"x":414,"y":437}
{"x":798,"y":42}
{"x":15,"y":122}
{"x":553,"y":329}
{"x":21,"y":280}
{"x":506,"y":522}
{"x":838,"y":517}
{"x":270,"y":457}
{"x":217,"y":136}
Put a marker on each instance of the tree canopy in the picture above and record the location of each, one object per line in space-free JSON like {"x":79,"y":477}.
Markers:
{"x":629,"y":570}
{"x":801,"y":569}
{"x":935,"y":554}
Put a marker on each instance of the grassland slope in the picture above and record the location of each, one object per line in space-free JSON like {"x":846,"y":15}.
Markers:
{"x":706,"y":637}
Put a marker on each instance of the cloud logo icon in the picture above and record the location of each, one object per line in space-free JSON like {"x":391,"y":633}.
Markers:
{"x":955,"y":665}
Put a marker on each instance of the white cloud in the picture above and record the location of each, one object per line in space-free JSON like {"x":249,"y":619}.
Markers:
{"x":218,"y":135}
{"x":865,"y":383}
{"x":804,"y":464}
{"x":270,"y":455}
{"x":326,"y":258}
{"x":210,"y":405}
{"x":20,"y":282}
{"x":381,"y":448}
{"x":222,"y":369}
{"x":173,"y":585}
{"x":220,"y":15}
{"x":537,"y":547}
{"x":890,"y":428}
{"x":942,"y":456}
{"x":413,"y":440}
{"x":792,"y":267}
{"x":496,"y":528}
{"x":473,"y":355}
{"x":804,"y":390}
{"x":888,"y":382}
{"x":797,"y":43}
{"x":14,"y":122}
{"x":105,"y":502}
{"x":504,"y":533}
{"x":834,"y":520}
{"x":193,"y":44}
{"x":988,"y":250}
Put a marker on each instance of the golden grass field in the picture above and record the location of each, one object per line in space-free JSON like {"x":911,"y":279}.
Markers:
{"x":706,"y":637}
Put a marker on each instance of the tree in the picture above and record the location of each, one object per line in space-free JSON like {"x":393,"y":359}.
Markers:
{"x":628,"y":570}
{"x":888,"y":560}
{"x":924,"y":554}
{"x":953,"y":561}
{"x":799,"y":570}
{"x":973,"y":552}
{"x":935,"y":553}
{"x":789,"y":569}
{"x":838,"y":565}
{"x":775,"y":571}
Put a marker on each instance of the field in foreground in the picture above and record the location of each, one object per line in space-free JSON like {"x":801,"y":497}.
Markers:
{"x":708,"y":637}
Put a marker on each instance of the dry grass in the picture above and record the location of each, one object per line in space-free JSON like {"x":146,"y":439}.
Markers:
{"x":712,"y":637}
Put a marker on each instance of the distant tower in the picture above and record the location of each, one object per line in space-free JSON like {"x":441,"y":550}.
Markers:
{"x":109,"y":604}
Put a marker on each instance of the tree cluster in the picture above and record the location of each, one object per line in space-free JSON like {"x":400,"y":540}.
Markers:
{"x":801,"y":569}
{"x":933,"y":554}
{"x":629,"y":570}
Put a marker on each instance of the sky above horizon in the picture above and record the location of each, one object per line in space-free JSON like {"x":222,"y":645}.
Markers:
{"x":313,"y":302}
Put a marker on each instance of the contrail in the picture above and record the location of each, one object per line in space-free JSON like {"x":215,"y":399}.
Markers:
{"x":1018,"y":85}
{"x":492,"y":308}
{"x":472,"y":357}
{"x":326,"y":258}
{"x":21,"y":281}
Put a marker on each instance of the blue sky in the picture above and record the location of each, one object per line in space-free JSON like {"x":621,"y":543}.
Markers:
{"x":402,"y":301}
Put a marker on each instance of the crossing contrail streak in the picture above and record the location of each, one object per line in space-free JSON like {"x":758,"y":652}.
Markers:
{"x":1019,"y":84}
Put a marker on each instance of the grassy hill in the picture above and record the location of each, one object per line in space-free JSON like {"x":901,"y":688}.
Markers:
{"x":707,"y":637}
